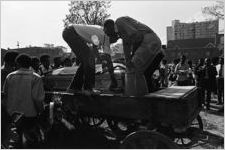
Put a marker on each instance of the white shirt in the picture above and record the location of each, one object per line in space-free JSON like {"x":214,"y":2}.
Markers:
{"x":182,"y":71}
{"x":218,"y":70}
{"x":87,"y":31}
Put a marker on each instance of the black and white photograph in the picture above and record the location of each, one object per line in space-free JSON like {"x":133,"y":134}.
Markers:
{"x":112,"y":74}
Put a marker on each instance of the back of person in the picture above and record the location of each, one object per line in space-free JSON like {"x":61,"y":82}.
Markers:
{"x":23,"y":89}
{"x":132,"y":25}
{"x":19,"y":91}
{"x":87,"y":31}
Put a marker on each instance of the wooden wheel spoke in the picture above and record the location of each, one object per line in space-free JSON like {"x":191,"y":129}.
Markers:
{"x":182,"y":141}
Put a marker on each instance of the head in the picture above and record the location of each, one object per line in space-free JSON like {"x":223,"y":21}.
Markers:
{"x":10,"y":58}
{"x":73,"y":60}
{"x":183,"y":59}
{"x":23,"y":61}
{"x":67,"y":62}
{"x":207,"y":61}
{"x":215,"y":60}
{"x":57,"y":61}
{"x":45,"y":60}
{"x":164,"y":62}
{"x":109,"y":29}
{"x":35,"y":63}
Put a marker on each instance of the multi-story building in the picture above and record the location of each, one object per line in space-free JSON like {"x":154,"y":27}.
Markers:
{"x":195,"y":40}
{"x":195,"y":30}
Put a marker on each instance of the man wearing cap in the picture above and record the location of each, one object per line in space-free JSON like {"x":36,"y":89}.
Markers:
{"x":80,"y":38}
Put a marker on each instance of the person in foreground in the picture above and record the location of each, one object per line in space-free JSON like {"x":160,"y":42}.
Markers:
{"x":24,"y":93}
{"x":142,"y":49}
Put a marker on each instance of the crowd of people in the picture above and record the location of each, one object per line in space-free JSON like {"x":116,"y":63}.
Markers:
{"x":207,"y":74}
{"x":41,"y":66}
{"x":23,"y":86}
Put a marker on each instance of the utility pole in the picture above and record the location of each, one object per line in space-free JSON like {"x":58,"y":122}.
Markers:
{"x":18,"y":44}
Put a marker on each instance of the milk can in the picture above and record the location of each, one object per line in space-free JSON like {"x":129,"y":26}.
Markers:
{"x":135,"y":83}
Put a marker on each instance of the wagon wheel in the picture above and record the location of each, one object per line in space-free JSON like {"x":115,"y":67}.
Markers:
{"x":185,"y":139}
{"x":195,"y":127}
{"x":96,"y":121}
{"x":147,"y":140}
{"x":116,"y":126}
{"x":92,"y":121}
{"x":197,"y":123}
{"x":121,"y":129}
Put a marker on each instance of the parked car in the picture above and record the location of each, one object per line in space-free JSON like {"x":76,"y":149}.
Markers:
{"x":60,"y":79}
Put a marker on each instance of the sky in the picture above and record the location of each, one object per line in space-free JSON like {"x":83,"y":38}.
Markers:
{"x":38,"y":22}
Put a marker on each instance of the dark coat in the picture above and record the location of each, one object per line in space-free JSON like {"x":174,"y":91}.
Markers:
{"x":210,"y":80}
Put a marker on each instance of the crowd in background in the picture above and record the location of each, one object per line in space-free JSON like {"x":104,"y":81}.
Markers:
{"x":41,"y":65}
{"x":207,"y":74}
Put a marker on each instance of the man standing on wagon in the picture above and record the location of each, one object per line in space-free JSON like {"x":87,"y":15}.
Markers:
{"x":142,"y":49}
{"x":78,"y":37}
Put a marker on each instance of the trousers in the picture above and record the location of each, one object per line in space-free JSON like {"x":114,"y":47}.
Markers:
{"x":85,"y":74}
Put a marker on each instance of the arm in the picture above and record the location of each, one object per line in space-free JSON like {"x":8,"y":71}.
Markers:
{"x":176,"y":69}
{"x":124,"y":33}
{"x":96,"y":53}
{"x":5,"y":89}
{"x":38,"y":93}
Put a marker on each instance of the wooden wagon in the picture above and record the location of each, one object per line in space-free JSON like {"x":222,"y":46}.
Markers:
{"x":150,"y":121}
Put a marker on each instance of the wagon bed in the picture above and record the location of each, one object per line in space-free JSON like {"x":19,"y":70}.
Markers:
{"x":175,"y":106}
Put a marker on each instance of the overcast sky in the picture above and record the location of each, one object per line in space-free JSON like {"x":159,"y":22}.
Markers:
{"x":38,"y":22}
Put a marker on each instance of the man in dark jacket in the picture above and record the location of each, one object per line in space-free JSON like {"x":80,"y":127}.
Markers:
{"x":9,"y":65}
{"x":199,"y":79}
{"x":209,"y":80}
{"x":141,"y":45}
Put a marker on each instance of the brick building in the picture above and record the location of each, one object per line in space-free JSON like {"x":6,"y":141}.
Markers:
{"x":195,"y":40}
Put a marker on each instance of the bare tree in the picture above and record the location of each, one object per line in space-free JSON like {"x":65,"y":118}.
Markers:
{"x":87,"y":12}
{"x":216,"y":10}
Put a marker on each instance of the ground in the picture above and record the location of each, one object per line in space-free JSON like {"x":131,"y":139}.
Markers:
{"x":212,"y":136}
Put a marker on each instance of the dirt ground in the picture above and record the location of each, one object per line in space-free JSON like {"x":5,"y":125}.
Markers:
{"x":212,"y":136}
